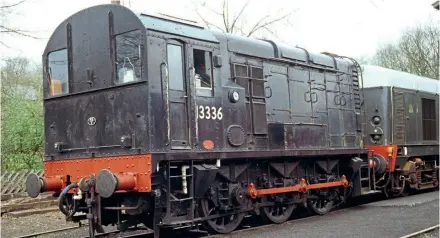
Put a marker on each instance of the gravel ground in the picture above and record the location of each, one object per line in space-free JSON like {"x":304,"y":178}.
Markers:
{"x":14,"y":227}
{"x":392,"y":218}
{"x":431,"y":234}
{"x":386,"y":219}
{"x":41,"y":197}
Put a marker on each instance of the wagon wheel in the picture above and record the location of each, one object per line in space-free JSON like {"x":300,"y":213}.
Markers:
{"x":224,"y":224}
{"x":278,"y":213}
{"x":320,"y":205}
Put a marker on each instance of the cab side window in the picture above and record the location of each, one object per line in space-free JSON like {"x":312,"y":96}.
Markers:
{"x":57,"y":73}
{"x":128,"y":57}
{"x":203,"y":72}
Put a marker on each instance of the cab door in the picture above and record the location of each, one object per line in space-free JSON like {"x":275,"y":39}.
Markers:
{"x":205,"y":82}
{"x":177,"y":96}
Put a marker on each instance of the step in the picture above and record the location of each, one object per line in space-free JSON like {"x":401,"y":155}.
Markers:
{"x":31,"y":212}
{"x":426,"y":186}
{"x":181,"y":176}
{"x":370,"y":192}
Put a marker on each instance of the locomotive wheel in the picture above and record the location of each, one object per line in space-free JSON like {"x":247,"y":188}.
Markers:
{"x":320,"y":206}
{"x":278,"y":213}
{"x":223,"y":225}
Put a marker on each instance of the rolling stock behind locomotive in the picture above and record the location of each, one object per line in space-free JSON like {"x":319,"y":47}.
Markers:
{"x":156,"y":120}
{"x":402,"y":113}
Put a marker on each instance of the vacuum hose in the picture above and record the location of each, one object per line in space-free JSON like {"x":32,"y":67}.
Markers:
{"x":68,"y":212}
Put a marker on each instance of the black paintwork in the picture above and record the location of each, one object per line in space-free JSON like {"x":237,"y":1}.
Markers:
{"x":401,"y":112}
{"x":292,"y":102}
{"x":298,"y":115}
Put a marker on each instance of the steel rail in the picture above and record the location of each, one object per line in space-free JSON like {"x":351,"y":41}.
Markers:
{"x":52,"y":231}
{"x":421,"y":231}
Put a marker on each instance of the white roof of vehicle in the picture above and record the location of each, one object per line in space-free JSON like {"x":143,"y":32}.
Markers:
{"x":375,"y":76}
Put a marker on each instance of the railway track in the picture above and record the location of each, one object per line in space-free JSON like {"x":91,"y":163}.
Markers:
{"x":125,"y":234}
{"x":421,"y":232}
{"x":36,"y":234}
{"x":249,"y":224}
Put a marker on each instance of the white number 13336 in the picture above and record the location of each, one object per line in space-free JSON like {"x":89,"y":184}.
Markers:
{"x":206,"y":112}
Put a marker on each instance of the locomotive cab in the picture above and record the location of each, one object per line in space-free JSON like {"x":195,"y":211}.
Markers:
{"x":95,"y":83}
{"x":118,"y":88}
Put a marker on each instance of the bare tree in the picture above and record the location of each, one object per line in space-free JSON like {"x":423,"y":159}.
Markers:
{"x":233,"y":19}
{"x":6,"y":10}
{"x":416,"y":51}
{"x":364,"y":59}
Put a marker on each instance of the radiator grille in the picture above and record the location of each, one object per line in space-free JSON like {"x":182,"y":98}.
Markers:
{"x":399,"y":128}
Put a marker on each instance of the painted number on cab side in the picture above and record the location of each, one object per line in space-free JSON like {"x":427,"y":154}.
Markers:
{"x":206,"y":112}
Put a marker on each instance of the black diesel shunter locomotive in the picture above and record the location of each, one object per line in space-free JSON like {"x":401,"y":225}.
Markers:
{"x":158,"y":121}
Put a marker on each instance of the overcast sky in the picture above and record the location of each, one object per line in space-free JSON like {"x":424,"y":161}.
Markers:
{"x":345,"y":27}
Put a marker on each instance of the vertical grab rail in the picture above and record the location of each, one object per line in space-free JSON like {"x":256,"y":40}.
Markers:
{"x":164,"y":75}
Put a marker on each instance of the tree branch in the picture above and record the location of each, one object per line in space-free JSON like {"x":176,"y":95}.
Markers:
{"x":415,"y":52}
{"x":258,"y":26}
{"x":238,"y":16}
{"x":225,"y":16}
{"x":15,"y":31}
{"x":236,"y":22}
{"x":12,"y":5}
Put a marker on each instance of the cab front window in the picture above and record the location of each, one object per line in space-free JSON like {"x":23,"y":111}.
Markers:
{"x":128,"y":56}
{"x":58,"y":73}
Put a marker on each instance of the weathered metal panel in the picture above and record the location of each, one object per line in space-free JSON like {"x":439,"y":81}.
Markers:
{"x":157,"y":109}
{"x":117,"y":112}
{"x":322,"y":60}
{"x":299,"y":91}
{"x":277,"y":94}
{"x":347,"y":104}
{"x":306,"y":136}
{"x":277,"y":136}
{"x":377,"y":102}
{"x":318,"y":97}
{"x":248,"y":46}
{"x":334,"y":110}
